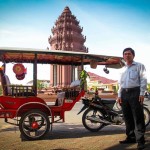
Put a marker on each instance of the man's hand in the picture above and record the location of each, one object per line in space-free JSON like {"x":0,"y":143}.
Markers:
{"x":119,"y":100}
{"x":141,"y":99}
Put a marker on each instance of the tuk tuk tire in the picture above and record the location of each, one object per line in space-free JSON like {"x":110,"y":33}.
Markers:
{"x":22,"y":128}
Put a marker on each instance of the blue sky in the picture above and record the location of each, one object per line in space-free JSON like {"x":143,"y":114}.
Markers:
{"x":109,"y":26}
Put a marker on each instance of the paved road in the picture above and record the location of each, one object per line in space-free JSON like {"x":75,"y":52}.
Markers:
{"x":70,"y":135}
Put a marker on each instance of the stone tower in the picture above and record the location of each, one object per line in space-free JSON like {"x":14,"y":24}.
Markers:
{"x":67,"y":35}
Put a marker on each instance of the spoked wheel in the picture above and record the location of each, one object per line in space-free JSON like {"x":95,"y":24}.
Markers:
{"x":34,"y":125}
{"x":89,"y":120}
{"x":146,"y":116}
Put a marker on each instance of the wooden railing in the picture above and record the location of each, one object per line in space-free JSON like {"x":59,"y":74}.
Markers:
{"x":20,"y":90}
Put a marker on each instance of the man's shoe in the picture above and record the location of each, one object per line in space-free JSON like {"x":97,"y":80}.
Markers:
{"x":127,"y":141}
{"x":140,"y":146}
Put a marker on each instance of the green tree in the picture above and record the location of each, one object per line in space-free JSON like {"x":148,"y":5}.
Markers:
{"x":148,"y":87}
{"x":40,"y":85}
{"x":1,"y":90}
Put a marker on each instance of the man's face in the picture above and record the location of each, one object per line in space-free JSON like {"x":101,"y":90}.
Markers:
{"x":128,"y":56}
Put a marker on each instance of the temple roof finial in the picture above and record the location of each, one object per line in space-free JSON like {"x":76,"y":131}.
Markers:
{"x":66,"y":10}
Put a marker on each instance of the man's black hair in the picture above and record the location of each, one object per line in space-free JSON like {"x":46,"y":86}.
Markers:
{"x":129,"y":49}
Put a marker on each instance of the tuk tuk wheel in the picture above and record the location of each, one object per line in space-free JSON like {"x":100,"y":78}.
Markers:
{"x":34,"y":125}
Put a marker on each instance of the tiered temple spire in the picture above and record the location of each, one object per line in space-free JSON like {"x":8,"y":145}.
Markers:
{"x":67,"y":35}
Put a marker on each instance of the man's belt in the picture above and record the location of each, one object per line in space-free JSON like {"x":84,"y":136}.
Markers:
{"x":130,"y":89}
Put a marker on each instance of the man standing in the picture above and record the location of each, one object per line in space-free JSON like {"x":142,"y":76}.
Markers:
{"x":132,"y":85}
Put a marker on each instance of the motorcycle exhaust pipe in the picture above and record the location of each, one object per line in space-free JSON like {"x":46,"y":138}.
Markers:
{"x":98,"y":120}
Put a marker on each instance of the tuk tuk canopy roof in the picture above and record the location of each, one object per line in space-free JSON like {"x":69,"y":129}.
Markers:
{"x":60,"y":57}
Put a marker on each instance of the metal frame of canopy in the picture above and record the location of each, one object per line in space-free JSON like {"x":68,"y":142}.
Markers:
{"x":60,"y":57}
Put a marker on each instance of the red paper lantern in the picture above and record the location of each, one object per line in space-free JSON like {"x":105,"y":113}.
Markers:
{"x":20,"y":77}
{"x":18,"y":69}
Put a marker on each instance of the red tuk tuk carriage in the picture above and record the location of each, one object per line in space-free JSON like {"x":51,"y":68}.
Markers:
{"x":21,"y":103}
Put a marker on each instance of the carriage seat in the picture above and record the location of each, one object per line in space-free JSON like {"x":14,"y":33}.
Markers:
{"x":14,"y":90}
{"x":4,"y":82}
{"x":68,"y":93}
{"x":60,"y":98}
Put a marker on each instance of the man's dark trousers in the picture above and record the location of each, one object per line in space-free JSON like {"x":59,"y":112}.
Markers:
{"x":133,"y":114}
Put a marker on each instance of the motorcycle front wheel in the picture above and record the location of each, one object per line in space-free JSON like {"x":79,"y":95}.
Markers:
{"x":89,"y":120}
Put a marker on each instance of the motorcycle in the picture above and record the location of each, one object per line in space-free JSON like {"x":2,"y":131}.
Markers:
{"x":101,"y":112}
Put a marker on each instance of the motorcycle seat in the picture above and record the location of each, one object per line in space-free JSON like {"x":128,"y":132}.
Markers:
{"x":108,"y":101}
